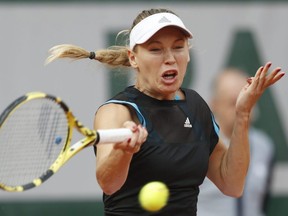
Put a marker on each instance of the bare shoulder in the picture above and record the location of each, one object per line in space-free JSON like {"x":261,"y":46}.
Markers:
{"x":112,"y":116}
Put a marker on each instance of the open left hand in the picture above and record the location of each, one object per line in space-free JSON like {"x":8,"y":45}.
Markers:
{"x":256,"y":86}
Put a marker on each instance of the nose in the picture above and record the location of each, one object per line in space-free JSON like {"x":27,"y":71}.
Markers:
{"x":169,"y":57}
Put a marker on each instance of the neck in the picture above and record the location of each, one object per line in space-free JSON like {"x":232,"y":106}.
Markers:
{"x":178,"y":95}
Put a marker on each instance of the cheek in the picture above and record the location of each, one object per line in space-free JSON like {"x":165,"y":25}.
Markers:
{"x":183,"y":67}
{"x":147,"y":63}
{"x":183,"y":61}
{"x":147,"y":70}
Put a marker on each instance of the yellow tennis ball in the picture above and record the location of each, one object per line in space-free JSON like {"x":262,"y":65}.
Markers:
{"x":153,"y":196}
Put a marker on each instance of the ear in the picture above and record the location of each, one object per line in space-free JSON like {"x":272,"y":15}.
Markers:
{"x":132,"y":59}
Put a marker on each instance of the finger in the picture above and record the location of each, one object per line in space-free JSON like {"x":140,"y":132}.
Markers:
{"x":127,"y":146}
{"x":250,"y":80}
{"x":134,"y":139}
{"x":277,"y":77}
{"x":254,"y":81}
{"x":262,"y":76}
{"x":266,"y":68}
{"x":274,"y":76}
{"x":122,"y":145}
{"x":131,"y":125}
{"x":259,"y":71}
{"x":132,"y":147}
{"x":133,"y":144}
{"x":142,"y":134}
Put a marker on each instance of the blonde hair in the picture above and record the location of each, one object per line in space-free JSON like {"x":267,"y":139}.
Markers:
{"x":113,"y":56}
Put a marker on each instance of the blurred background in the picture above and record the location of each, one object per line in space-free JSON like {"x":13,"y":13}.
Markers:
{"x":245,"y":34}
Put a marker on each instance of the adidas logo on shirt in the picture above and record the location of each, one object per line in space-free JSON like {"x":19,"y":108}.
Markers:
{"x":187,"y":123}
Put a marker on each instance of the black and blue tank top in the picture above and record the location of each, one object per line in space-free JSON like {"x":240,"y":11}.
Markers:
{"x":181,"y":136}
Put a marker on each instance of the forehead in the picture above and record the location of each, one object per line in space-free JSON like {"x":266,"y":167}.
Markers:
{"x":166,"y":36}
{"x":169,"y":31}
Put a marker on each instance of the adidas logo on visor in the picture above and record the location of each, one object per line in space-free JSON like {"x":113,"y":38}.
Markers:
{"x":164,"y":20}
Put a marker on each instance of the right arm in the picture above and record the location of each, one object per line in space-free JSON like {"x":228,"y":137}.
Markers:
{"x":113,"y":160}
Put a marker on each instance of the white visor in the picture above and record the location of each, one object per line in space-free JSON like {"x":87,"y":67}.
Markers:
{"x":146,"y":28}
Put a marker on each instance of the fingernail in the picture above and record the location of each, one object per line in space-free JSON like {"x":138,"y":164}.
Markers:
{"x":129,"y":140}
{"x":134,"y":128}
{"x":261,"y":68}
{"x":269,"y":64}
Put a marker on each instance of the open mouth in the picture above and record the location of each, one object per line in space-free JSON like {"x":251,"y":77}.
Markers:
{"x":169,"y":75}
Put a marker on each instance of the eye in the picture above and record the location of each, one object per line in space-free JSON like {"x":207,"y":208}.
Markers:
{"x":155,"y":50}
{"x":179,"y":47}
{"x":179,"y":44}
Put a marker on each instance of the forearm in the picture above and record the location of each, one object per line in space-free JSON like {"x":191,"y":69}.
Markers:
{"x":112,"y":170}
{"x":236,"y":160}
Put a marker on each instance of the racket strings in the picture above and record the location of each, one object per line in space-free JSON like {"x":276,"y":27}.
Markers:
{"x":31,"y":138}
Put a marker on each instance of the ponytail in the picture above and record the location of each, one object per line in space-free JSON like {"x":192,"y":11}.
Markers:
{"x":113,"y":56}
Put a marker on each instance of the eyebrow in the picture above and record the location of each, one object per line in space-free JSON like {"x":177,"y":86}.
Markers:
{"x":158,"y":42}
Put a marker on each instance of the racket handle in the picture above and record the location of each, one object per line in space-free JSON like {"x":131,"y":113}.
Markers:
{"x":113,"y":135}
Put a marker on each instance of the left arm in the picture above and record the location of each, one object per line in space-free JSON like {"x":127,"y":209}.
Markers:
{"x":228,"y":166}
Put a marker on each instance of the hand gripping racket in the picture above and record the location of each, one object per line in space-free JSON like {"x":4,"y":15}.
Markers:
{"x":35,"y":140}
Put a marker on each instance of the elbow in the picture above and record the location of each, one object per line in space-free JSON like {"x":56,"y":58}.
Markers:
{"x":108,"y":190}
{"x":232,"y":188}
{"x":235,"y":192}
{"x":107,"y":187}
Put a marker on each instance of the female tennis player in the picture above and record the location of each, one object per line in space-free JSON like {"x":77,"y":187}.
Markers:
{"x":175,"y":137}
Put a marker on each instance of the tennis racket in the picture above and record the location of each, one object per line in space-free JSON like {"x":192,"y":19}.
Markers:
{"x":35,"y":140}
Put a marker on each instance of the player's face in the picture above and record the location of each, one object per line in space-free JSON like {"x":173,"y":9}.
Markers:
{"x":161,"y":63}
